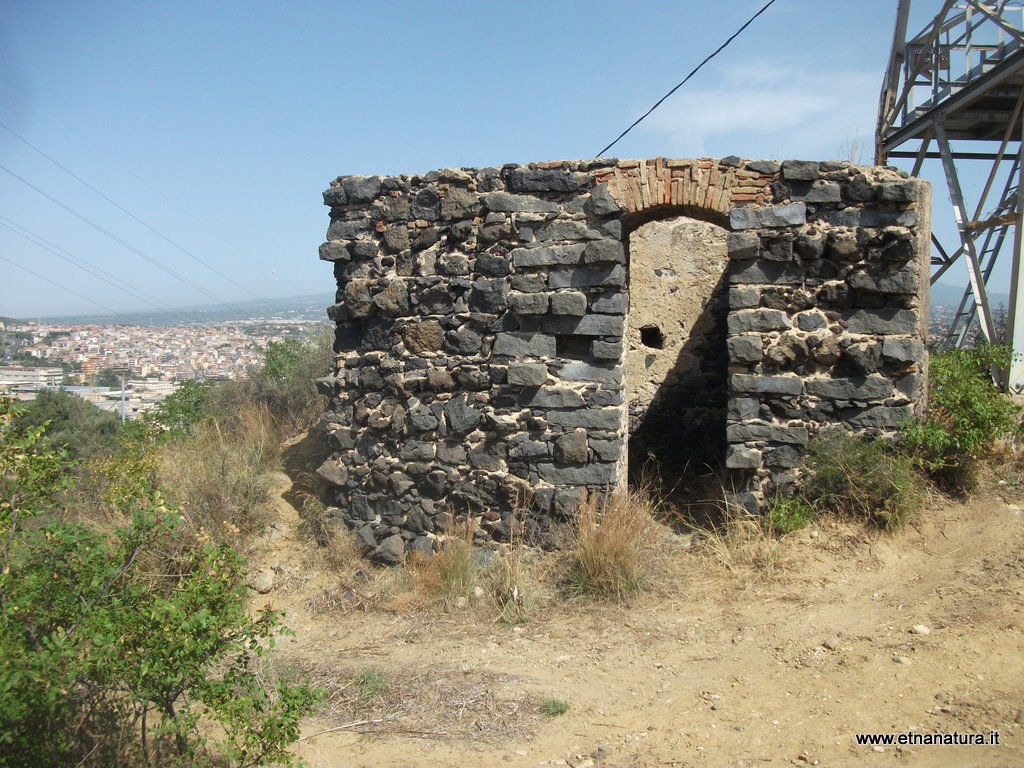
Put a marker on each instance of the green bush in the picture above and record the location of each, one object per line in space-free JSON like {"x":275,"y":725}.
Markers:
{"x":111,"y":656}
{"x":73,"y":424}
{"x":789,"y":513}
{"x":866,"y":479}
{"x":967,"y":415}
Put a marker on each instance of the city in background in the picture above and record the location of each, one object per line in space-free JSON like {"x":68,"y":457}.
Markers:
{"x":129,"y":369}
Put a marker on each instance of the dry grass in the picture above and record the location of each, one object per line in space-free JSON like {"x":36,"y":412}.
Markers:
{"x":219,"y":475}
{"x":431,"y":701}
{"x":448,"y":578}
{"x":610,"y":538}
{"x":743,"y":547}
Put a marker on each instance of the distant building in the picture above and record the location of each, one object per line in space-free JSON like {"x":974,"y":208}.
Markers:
{"x":13,"y":375}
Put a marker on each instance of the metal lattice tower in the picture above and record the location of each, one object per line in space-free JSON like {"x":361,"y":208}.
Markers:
{"x":955,"y":92}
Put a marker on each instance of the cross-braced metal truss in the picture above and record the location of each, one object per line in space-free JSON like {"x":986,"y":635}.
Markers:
{"x":958,"y":86}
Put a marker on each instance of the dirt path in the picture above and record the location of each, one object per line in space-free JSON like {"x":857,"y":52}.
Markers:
{"x":713,"y":668}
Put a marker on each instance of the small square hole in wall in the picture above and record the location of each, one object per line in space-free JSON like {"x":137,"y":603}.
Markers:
{"x":651,"y":336}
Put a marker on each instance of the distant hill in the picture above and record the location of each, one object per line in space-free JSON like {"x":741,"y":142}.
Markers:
{"x":291,"y":309}
{"x":946,"y":295}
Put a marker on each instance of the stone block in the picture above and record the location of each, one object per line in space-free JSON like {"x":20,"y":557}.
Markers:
{"x":745,"y":321}
{"x":745,"y":350}
{"x":586,"y":277}
{"x":464,"y":341}
{"x":589,"y":325}
{"x":528,"y":303}
{"x":492,"y":266}
{"x":548,"y":256}
{"x":772,"y":216}
{"x":527,"y":374}
{"x":426,"y":336}
{"x":824,"y":192}
{"x":334,"y":250}
{"x":509,"y":203}
{"x":811,"y":321}
{"x":772,"y":433}
{"x":895,"y":322}
{"x":879,"y":416}
{"x":898,"y":192}
{"x":604,"y":251}
{"x":361,"y":189}
{"x":601,"y":202}
{"x":766,"y":385}
{"x":520,"y":344}
{"x":744,"y":297}
{"x":554,"y":397}
{"x":460,"y":204}
{"x":545,"y":180}
{"x":742,"y":457}
{"x":744,"y":245}
{"x":461,"y":417}
{"x":422,"y":418}
{"x":566,"y":229}
{"x":569,"y":303}
{"x":779,"y":248}
{"x":765,"y":273}
{"x":605,"y":374}
{"x":590,"y":474}
{"x":800,"y":170}
{"x":767,"y":167}
{"x":903,"y":281}
{"x":743,"y":408}
{"x":782,"y":456}
{"x":572,"y":447}
{"x":903,"y":350}
{"x":607,"y":450}
{"x":606,"y":350}
{"x":588,"y":418}
{"x":853,"y":388}
{"x":609,"y":304}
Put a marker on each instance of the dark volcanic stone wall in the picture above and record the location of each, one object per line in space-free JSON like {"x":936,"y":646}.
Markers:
{"x":481,"y":315}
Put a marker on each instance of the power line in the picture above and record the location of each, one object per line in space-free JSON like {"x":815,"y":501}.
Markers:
{"x":62,"y":287}
{"x":694,"y":71}
{"x":119,"y":241}
{"x":128,"y":213}
{"x":92,"y":269}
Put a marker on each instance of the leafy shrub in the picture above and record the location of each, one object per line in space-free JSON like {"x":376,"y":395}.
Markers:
{"x":110,"y":657}
{"x":866,"y":479}
{"x":74,"y":424}
{"x":967,"y":415}
{"x":789,"y":513}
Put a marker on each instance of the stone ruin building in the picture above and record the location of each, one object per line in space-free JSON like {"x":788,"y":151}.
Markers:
{"x":536,"y":331}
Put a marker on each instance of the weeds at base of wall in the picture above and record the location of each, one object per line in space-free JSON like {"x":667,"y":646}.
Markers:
{"x":865,"y":479}
{"x":609,"y":541}
{"x":787,"y":514}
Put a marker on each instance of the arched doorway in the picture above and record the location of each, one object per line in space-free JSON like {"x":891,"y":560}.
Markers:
{"x":676,"y":358}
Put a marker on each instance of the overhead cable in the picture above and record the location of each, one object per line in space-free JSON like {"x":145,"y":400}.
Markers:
{"x":62,"y":287}
{"x":192,"y":284}
{"x":694,"y":71}
{"x":131,"y":215}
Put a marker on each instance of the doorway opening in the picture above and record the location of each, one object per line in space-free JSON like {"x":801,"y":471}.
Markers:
{"x":676,"y":356}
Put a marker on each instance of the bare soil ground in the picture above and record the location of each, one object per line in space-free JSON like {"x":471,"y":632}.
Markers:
{"x":768,"y":654}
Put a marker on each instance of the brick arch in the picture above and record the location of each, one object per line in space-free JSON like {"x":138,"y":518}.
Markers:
{"x":701,"y":188}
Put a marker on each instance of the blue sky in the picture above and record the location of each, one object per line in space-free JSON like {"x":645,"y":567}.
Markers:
{"x":217,"y":124}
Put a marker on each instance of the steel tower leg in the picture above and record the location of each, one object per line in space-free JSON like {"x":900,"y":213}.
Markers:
{"x":960,"y":210}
